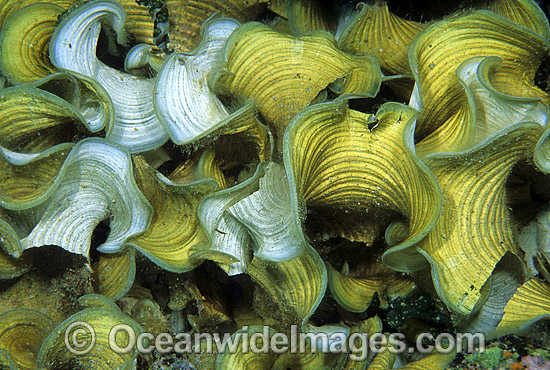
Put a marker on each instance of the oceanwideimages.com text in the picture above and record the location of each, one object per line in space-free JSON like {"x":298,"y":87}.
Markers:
{"x":80,"y":339}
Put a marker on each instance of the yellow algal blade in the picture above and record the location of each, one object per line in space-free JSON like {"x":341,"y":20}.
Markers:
{"x":448,"y":119}
{"x":526,"y":13}
{"x":361,"y":172}
{"x":24,"y":42}
{"x":197,"y":167}
{"x":305,"y":16}
{"x":8,"y":7}
{"x":187,"y":16}
{"x":290,"y":291}
{"x":530,"y":303}
{"x":239,"y":359}
{"x":284,"y":74}
{"x":26,"y":185}
{"x":383,"y":361}
{"x":22,"y":331}
{"x":355,"y":293}
{"x":433,"y":361}
{"x":9,"y":241}
{"x":174,"y":233}
{"x":375,"y":30}
{"x":114,"y":273}
{"x":474,"y":230}
{"x":139,"y":23}
{"x":54,"y":350}
{"x":35,"y":120}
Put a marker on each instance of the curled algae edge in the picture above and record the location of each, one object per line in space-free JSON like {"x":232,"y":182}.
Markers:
{"x":233,"y":174}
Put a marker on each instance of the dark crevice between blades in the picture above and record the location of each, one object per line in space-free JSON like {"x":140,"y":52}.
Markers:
{"x":109,"y":51}
{"x":50,"y":261}
{"x":99,"y":236}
